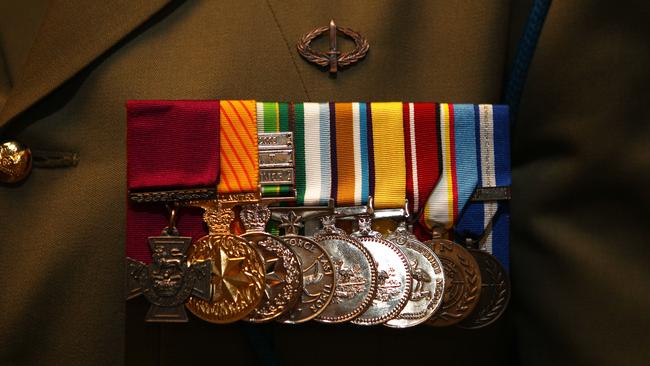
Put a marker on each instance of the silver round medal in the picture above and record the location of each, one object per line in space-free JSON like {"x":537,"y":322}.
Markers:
{"x":393,"y":275}
{"x":318,"y":278}
{"x":283,"y":274}
{"x":428,"y":279}
{"x":354,"y":270}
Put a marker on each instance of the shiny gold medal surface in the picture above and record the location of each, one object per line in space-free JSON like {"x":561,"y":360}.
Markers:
{"x":495,"y":292}
{"x":237,"y":269}
{"x":393,"y":275}
{"x":283,"y":273}
{"x":355,"y":274}
{"x":428,"y":279}
{"x":462,"y":282}
{"x":317,"y":273}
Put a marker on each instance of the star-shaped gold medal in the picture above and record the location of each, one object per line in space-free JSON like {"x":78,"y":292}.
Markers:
{"x":230,"y":277}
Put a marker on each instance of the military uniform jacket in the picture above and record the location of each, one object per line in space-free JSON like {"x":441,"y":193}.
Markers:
{"x":579,"y":257}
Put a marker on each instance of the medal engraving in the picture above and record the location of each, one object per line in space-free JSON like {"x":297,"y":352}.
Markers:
{"x":233,"y":199}
{"x":317,"y":273}
{"x":237,"y":279}
{"x":393,"y":278}
{"x":275,"y":140}
{"x":428,"y":280}
{"x":354,"y":270}
{"x":495,"y":292}
{"x":276,"y":158}
{"x":283,"y":281}
{"x":462,"y":282}
{"x":168,"y":281}
{"x":276,"y":176}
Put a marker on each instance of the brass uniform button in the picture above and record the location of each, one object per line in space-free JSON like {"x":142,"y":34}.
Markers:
{"x":15,"y":162}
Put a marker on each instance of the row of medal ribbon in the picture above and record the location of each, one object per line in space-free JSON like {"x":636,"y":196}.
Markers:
{"x":328,"y":274}
{"x":331,"y":276}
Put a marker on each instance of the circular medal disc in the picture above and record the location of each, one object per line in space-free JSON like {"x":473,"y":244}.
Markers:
{"x":393,"y":281}
{"x":317,"y":279}
{"x":462,"y":282}
{"x":283,"y":277}
{"x":237,"y":278}
{"x":428,"y":280}
{"x":495,"y":292}
{"x":355,"y":278}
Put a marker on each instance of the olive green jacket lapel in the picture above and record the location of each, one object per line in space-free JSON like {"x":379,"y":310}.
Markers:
{"x":72,"y":35}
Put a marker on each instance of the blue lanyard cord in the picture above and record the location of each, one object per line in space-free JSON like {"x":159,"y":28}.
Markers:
{"x":524,"y":55}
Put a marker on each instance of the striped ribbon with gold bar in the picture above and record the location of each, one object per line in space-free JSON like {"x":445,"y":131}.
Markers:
{"x":273,"y":117}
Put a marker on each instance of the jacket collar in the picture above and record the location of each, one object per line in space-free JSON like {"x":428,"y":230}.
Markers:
{"x":73,"y":34}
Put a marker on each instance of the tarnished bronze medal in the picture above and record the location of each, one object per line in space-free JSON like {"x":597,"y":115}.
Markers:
{"x":462,"y":282}
{"x":168,"y":281}
{"x":317,"y":273}
{"x":393,"y":275}
{"x":283,"y":273}
{"x":354,"y":270}
{"x":428,"y":279}
{"x":495,"y":292}
{"x":237,"y":269}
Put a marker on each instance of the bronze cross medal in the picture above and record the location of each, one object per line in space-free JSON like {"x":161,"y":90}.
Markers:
{"x":168,"y":281}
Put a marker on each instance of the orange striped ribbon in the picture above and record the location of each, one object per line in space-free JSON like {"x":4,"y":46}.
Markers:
{"x":346,"y":179}
{"x":239,"y":155}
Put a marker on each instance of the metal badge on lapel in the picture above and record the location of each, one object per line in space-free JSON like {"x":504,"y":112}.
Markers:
{"x":334,"y":58}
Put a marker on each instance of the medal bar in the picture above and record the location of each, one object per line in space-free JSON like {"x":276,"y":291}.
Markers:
{"x":332,"y":273}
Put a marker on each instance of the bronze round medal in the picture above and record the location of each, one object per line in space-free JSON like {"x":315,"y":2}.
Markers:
{"x":355,"y":274}
{"x":462,"y":282}
{"x":283,"y":275}
{"x":495,"y":292}
{"x":393,"y":276}
{"x":237,"y":278}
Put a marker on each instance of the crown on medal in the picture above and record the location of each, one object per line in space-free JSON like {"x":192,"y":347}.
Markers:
{"x":255,"y":216}
{"x":218,"y":220}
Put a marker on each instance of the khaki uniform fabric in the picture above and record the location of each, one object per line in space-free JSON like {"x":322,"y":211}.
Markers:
{"x":579,"y":258}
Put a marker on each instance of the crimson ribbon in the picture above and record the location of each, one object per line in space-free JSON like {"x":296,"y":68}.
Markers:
{"x":170,"y":145}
